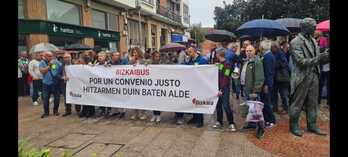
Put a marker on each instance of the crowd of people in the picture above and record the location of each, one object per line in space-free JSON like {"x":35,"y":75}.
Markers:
{"x":256,"y":70}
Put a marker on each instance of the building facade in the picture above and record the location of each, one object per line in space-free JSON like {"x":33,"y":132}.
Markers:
{"x":110,"y":24}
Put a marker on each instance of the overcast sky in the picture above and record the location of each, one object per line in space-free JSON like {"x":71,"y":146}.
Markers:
{"x":202,"y":11}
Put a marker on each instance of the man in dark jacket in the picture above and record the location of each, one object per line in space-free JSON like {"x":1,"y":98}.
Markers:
{"x":281,"y":78}
{"x":269,"y":71}
{"x":196,"y":59}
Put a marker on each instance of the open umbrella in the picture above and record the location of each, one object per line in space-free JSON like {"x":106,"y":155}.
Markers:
{"x":324,"y":26}
{"x":43,"y":47}
{"x":172,"y":47}
{"x":262,"y":27}
{"x":220,"y":35}
{"x":292,"y":24}
{"x":77,"y":47}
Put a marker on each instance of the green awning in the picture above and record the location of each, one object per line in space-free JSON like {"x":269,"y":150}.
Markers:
{"x":61,"y":29}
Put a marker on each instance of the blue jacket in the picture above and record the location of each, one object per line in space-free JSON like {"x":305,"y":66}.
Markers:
{"x":281,"y":56}
{"x":269,"y":68}
{"x":54,"y":73}
{"x":229,"y":56}
{"x":199,"y":60}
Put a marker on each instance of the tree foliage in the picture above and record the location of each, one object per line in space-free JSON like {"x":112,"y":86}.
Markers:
{"x":197,"y":33}
{"x":231,"y":16}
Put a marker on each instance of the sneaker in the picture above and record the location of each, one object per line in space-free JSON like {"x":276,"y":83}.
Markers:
{"x":56,"y":114}
{"x":199,"y":125}
{"x":232,"y":128}
{"x":122,"y":115}
{"x":66,"y":114}
{"x":260,"y":133}
{"x":44,"y":115}
{"x":179,"y":122}
{"x":51,"y":100}
{"x":142,"y":117}
{"x":35,"y":103}
{"x":269,"y":125}
{"x":39,"y":99}
{"x":217,"y":125}
{"x":154,"y":118}
{"x":133,"y":117}
{"x":158,"y":119}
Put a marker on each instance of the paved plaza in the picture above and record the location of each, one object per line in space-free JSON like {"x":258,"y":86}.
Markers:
{"x":128,"y":138}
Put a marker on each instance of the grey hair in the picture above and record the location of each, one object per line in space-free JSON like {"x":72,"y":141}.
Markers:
{"x":266,"y":45}
{"x":275,"y":44}
{"x":221,"y":51}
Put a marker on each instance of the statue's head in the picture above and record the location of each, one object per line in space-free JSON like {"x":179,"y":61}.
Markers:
{"x":308,"y":26}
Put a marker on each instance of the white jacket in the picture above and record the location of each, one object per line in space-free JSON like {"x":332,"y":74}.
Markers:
{"x":34,"y":70}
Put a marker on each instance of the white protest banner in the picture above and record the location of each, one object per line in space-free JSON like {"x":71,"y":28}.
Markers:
{"x":171,"y":88}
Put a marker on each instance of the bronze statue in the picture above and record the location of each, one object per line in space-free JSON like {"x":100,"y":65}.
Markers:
{"x":305,"y":60}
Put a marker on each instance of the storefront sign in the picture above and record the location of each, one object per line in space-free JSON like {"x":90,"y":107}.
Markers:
{"x":60,"y":29}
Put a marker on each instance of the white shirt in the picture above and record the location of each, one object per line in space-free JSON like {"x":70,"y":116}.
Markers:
{"x":242,"y":75}
{"x":34,"y":70}
{"x":19,"y":73}
{"x":326,"y":67}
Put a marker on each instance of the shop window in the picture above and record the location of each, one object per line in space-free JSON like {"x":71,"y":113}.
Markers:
{"x":112,"y":22}
{"x":62,"y":42}
{"x":133,"y":29}
{"x":22,"y":44}
{"x":63,"y":12}
{"x":106,"y":45}
{"x":98,"y":19}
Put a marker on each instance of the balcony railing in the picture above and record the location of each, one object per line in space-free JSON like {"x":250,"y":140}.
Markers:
{"x":168,"y":13}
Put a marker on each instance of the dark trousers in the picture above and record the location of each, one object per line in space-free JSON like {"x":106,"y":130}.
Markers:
{"x":37,"y":87}
{"x":242,"y":93}
{"x":47,"y":90}
{"x":324,"y":80}
{"x":236,"y":86}
{"x":88,"y":110}
{"x":198,"y":118}
{"x":179,"y":115}
{"x":105,"y":109}
{"x":267,"y":109}
{"x":157,"y":113}
{"x":283,"y":89}
{"x":67,"y":105}
{"x":23,"y":86}
{"x":224,"y":104}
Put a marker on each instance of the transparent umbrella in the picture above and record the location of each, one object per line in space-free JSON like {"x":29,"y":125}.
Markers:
{"x":43,"y":47}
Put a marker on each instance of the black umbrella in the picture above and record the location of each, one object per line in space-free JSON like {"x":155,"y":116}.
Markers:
{"x":292,"y":24}
{"x":220,"y":36}
{"x":77,"y":47}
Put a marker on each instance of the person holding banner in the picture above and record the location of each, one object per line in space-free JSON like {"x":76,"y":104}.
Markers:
{"x":195,"y":59}
{"x":225,"y":70}
{"x":156,"y":59}
{"x":104,"y":111}
{"x":87,"y":110}
{"x":136,"y":58}
{"x":117,"y":60}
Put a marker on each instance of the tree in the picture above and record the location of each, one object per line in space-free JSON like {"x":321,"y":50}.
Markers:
{"x":197,"y":33}
{"x":232,"y":15}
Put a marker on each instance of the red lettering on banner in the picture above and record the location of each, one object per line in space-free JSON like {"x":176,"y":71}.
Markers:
{"x":134,"y":72}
